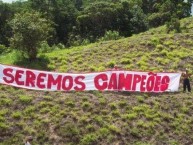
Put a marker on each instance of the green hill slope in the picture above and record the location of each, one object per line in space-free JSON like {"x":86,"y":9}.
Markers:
{"x":105,"y":118}
{"x":152,"y":50}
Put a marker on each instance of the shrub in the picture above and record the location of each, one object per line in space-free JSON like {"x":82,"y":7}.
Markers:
{"x":110,"y":35}
{"x":69,"y":130}
{"x":6,"y":101}
{"x":116,"y":113}
{"x":125,"y":61}
{"x":113,"y":106}
{"x":130,"y":116}
{"x":70,"y":104}
{"x":90,"y":127}
{"x":16,"y":115}
{"x":103,"y":132}
{"x":99,"y":120}
{"x":3,"y":127}
{"x":29,"y":110}
{"x":122,"y":104}
{"x":102,"y":101}
{"x":25,"y":99}
{"x":111,"y":64}
{"x":48,"y":98}
{"x":3,"y":49}
{"x":44,"y":47}
{"x":140,"y":99}
{"x":160,"y":47}
{"x":155,"y":41}
{"x":86,"y":105}
{"x":173,"y":25}
{"x":114,"y":129}
{"x":89,"y":139}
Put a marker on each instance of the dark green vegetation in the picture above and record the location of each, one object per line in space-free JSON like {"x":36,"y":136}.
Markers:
{"x":106,"y":118}
{"x":25,"y":25}
{"x":84,"y":21}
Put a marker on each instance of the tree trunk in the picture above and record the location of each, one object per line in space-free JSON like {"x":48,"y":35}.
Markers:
{"x":32,"y":54}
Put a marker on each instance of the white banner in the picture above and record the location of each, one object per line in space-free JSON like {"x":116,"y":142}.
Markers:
{"x":114,"y":80}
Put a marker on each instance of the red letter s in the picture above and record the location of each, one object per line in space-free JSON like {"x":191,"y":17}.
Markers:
{"x":78,"y":82}
{"x":7,"y":72}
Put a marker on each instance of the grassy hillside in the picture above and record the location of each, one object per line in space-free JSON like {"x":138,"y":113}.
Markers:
{"x":104,"y":118}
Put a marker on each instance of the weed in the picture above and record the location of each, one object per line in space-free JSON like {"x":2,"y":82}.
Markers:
{"x":86,"y":105}
{"x":3,"y":127}
{"x":2,"y":119}
{"x":99,"y":120}
{"x":25,"y":99}
{"x":3,"y":112}
{"x":114,"y":129}
{"x":111,"y":64}
{"x":103,"y":132}
{"x":70,"y":104}
{"x":122,"y":104}
{"x":140,"y":99}
{"x":90,"y":127}
{"x":102,"y":101}
{"x":17,"y":115}
{"x":48,"y":98}
{"x":135,"y":132}
{"x":6,"y":101}
{"x":116,"y":113}
{"x":113,"y":106}
{"x":155,"y":41}
{"x":125,"y":61}
{"x":130,"y":116}
{"x":89,"y":139}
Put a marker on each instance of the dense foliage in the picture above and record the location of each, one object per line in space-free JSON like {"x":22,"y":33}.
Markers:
{"x":77,"y":21}
{"x":29,"y":31}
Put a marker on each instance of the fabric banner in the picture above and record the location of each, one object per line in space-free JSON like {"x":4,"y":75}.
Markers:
{"x":112,"y":80}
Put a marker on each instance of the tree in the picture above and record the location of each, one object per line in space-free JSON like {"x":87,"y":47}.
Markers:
{"x":29,"y":30}
{"x":62,"y":12}
{"x":5,"y":14}
{"x":163,"y":10}
{"x":96,"y":19}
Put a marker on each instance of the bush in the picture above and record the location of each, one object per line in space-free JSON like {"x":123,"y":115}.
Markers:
{"x":110,"y":35}
{"x":25,"y":99}
{"x":44,"y":47}
{"x":3,"y":49}
{"x":173,"y":25}
{"x":17,"y":115}
{"x":77,"y":40}
{"x":69,"y":130}
{"x":89,"y":139}
{"x":111,"y":64}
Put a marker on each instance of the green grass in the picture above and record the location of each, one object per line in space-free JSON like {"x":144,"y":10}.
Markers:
{"x":94,"y":117}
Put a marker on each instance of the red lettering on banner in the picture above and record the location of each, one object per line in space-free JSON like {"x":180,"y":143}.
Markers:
{"x":30,"y":78}
{"x":142,"y":86}
{"x":165,"y":83}
{"x":157,"y":83}
{"x":52,"y":81}
{"x":136,"y":80}
{"x":82,"y":85}
{"x":67,"y":83}
{"x":113,"y":82}
{"x":41,"y":79}
{"x":125,"y":82}
{"x":119,"y":80}
{"x":7,"y":72}
{"x":150,"y":83}
{"x":18,"y":76}
{"x":102,"y":77}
